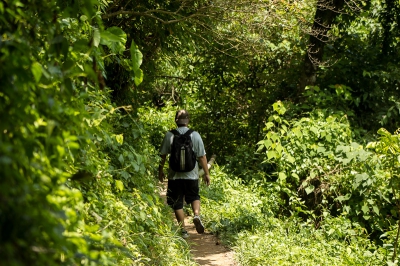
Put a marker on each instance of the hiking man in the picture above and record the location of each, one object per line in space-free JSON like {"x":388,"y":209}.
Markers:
{"x":184,"y":184}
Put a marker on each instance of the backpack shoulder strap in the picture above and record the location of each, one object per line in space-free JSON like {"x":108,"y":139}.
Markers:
{"x":175,"y":132}
{"x":190,"y":131}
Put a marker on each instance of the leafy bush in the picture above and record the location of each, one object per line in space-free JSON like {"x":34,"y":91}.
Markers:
{"x":321,"y":168}
{"x":317,"y":156}
{"x":230,"y":206}
{"x":248,"y":218}
{"x":157,"y":123}
{"x":247,"y":165}
{"x":293,"y":243}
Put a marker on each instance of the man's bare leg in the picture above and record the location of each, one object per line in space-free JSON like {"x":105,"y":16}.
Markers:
{"x":180,"y":217}
{"x":196,"y":219}
{"x":196,"y":207}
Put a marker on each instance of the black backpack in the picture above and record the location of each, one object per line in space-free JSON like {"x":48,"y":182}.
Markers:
{"x":182,"y":158}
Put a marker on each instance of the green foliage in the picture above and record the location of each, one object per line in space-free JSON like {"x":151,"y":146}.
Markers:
{"x":78,"y":185}
{"x":366,"y":53}
{"x":297,"y":244}
{"x":303,"y":148}
{"x":136,"y":62}
{"x":158,"y":122}
{"x":322,"y":169}
{"x":41,"y":133}
{"x":247,"y":165}
{"x":77,"y":182}
{"x":247,"y":217}
{"x":230,"y":206}
{"x":388,"y":148}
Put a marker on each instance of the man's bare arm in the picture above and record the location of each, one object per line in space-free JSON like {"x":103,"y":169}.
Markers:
{"x":203,"y":163}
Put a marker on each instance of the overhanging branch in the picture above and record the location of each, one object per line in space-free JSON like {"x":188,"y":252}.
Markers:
{"x":150,"y":14}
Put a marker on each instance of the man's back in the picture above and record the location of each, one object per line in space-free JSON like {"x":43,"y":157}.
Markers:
{"x":198,"y":148}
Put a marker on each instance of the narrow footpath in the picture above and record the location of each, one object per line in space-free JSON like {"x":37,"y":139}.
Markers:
{"x":205,"y":248}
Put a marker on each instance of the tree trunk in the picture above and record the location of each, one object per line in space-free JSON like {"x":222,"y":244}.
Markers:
{"x":327,"y":11}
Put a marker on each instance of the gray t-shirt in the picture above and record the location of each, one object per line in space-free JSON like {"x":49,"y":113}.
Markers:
{"x":198,"y":148}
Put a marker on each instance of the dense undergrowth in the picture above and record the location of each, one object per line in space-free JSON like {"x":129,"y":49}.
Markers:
{"x":311,"y":195}
{"x":77,"y":185}
{"x":92,"y":200}
{"x":249,"y":219}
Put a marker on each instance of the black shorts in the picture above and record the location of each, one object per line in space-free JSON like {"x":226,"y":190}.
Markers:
{"x":182,"y":188}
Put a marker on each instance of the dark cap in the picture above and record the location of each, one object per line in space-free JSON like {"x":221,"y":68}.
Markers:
{"x":182,"y":117}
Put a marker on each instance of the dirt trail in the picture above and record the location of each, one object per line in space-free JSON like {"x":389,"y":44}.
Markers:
{"x":205,"y":248}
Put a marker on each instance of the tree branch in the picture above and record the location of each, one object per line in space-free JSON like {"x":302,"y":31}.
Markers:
{"x":173,"y":77}
{"x":148,"y":14}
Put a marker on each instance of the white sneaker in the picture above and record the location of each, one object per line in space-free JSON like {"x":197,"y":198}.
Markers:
{"x":198,"y":224}
{"x":184,"y":234}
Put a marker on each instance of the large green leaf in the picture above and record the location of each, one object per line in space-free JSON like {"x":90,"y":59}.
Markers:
{"x":36,"y":69}
{"x":119,"y":185}
{"x":96,"y":37}
{"x":138,"y":77}
{"x":115,"y":39}
{"x":136,"y":57}
{"x":365,"y":209}
{"x":310,"y":189}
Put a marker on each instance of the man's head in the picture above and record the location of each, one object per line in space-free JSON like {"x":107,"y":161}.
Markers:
{"x":182,"y":118}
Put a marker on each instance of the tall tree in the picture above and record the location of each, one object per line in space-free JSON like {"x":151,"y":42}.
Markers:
{"x":326,"y":12}
{"x":325,"y":18}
